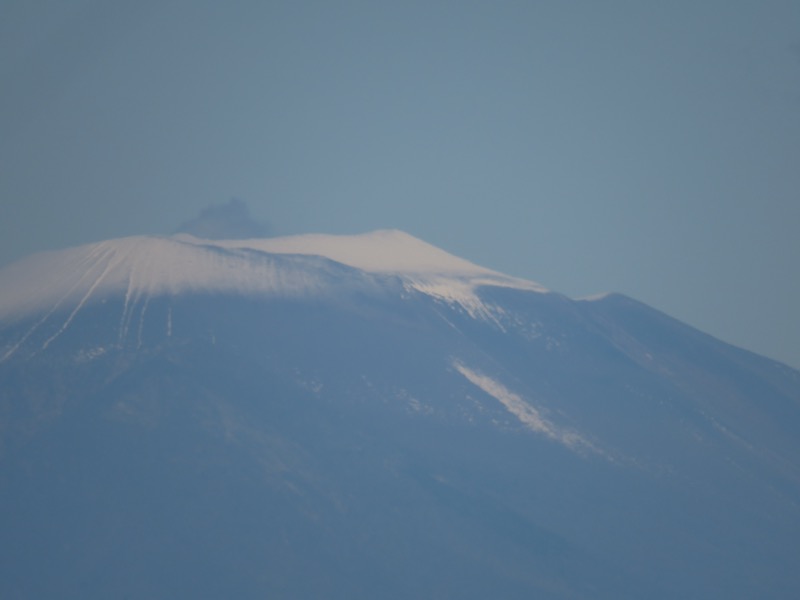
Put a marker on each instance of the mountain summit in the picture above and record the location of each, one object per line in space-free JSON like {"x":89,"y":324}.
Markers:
{"x":148,"y":266}
{"x":369,"y":416}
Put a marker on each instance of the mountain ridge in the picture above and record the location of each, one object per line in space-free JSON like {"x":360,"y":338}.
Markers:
{"x":367,"y":434}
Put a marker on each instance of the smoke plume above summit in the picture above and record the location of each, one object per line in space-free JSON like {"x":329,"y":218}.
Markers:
{"x":225,"y":221}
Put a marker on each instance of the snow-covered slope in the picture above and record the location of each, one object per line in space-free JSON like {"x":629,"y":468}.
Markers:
{"x":147,"y":266}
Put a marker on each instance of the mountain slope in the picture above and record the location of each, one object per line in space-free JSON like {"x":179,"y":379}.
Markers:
{"x":368,"y":416}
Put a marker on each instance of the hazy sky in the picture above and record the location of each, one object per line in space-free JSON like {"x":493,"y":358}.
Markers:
{"x":650,"y":148}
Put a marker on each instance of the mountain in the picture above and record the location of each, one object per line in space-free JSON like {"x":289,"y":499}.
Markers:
{"x":371,"y":417}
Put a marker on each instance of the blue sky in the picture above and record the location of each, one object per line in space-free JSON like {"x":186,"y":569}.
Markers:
{"x":650,"y":148}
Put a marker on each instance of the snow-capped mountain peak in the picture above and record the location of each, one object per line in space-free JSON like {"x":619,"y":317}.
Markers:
{"x":147,"y":266}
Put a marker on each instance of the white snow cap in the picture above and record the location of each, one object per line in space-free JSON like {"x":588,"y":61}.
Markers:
{"x":145,"y":266}
{"x":382,"y":251}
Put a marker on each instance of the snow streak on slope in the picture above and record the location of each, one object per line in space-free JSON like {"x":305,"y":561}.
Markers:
{"x":529,"y":416}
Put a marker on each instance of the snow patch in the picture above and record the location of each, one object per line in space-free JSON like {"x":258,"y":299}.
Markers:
{"x":595,"y":297}
{"x":456,"y":292}
{"x":528,"y":415}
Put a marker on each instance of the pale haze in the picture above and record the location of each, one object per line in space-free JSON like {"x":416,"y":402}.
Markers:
{"x":647,"y":148}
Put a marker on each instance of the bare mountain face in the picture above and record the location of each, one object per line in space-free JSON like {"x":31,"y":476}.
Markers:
{"x":371,"y":417}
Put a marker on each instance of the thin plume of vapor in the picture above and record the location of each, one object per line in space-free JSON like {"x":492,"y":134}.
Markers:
{"x":225,"y":221}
